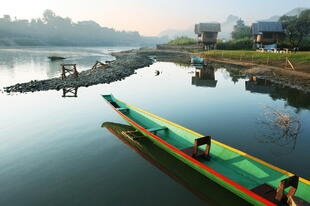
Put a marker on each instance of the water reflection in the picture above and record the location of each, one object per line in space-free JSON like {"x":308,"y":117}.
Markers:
{"x":22,"y":65}
{"x":281,"y":128}
{"x":204,"y":76}
{"x":196,"y":183}
{"x":293,"y":97}
{"x":69,"y":92}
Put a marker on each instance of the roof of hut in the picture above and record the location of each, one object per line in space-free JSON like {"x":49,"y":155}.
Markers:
{"x":259,"y":27}
{"x":207,"y":27}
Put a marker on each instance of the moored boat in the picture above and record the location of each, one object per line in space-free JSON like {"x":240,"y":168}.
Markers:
{"x":204,"y":188}
{"x":197,"y":60}
{"x":252,"y":179}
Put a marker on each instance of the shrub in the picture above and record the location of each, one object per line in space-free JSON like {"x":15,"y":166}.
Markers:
{"x":183,"y":41}
{"x":240,"y":44}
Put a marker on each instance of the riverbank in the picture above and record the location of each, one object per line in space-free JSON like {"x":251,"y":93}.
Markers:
{"x":125,"y":65}
{"x":128,"y":61}
{"x":269,"y":66}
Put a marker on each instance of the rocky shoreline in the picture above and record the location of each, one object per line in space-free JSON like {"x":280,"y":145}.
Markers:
{"x":125,"y":65}
{"x":122,"y":67}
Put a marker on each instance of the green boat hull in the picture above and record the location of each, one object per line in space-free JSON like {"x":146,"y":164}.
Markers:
{"x":232,"y":169}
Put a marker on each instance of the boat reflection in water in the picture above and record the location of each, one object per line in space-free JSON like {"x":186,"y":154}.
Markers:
{"x":202,"y":187}
{"x":69,"y":92}
{"x":204,"y":76}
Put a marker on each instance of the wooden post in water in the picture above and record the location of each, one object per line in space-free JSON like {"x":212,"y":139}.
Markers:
{"x":69,"y":92}
{"x":71,"y":70}
{"x":98,"y":63}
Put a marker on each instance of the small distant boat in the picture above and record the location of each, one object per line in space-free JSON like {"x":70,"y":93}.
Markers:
{"x":248,"y":177}
{"x":197,"y":60}
{"x":55,"y":58}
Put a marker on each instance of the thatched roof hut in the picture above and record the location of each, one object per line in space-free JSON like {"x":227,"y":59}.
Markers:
{"x":207,"y":27}
{"x":262,"y":27}
{"x":207,"y":32}
{"x":267,"y":32}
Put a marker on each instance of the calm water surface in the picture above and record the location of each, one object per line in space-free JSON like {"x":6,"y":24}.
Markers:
{"x":53,"y":150}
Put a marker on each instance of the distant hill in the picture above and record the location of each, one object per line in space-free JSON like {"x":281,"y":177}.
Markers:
{"x":173,"y":33}
{"x":226,"y":26}
{"x":58,"y":31}
{"x":293,"y":12}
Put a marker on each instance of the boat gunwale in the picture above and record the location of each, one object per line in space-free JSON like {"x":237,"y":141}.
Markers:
{"x":191,"y":159}
{"x":307,"y":182}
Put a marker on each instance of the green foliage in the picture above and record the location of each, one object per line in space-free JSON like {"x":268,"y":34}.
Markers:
{"x":241,"y":31}
{"x":297,"y":27}
{"x":240,"y":44}
{"x":183,"y":41}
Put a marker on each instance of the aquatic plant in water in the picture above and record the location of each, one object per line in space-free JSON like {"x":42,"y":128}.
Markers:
{"x":281,"y":127}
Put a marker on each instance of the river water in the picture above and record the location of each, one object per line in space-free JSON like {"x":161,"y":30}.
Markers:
{"x":53,"y":150}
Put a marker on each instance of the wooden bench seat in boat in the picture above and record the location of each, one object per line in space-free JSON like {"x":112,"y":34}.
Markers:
{"x":156,"y":129}
{"x":122,"y":109}
{"x":196,"y":152}
{"x":278,"y":195}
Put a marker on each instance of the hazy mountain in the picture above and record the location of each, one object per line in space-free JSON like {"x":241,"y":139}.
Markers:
{"x":173,"y":33}
{"x":226,"y":26}
{"x":293,"y":12}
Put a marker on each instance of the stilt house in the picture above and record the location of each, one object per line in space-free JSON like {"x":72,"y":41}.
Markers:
{"x":267,"y":33}
{"x":207,"y":33}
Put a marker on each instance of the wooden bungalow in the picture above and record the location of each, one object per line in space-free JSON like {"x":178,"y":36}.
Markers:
{"x":266,"y":33}
{"x":207,"y":33}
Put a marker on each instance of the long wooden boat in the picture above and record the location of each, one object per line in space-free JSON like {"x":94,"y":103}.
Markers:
{"x":203,"y":188}
{"x":252,"y":179}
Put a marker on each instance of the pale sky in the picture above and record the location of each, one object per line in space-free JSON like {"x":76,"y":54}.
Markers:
{"x":150,"y":17}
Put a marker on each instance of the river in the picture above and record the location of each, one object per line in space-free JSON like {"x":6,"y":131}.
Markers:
{"x":53,"y":150}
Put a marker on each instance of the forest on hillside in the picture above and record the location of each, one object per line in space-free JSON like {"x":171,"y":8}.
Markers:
{"x":58,"y":31}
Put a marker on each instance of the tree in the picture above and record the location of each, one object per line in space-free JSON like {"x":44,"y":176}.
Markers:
{"x":241,"y":31}
{"x":48,"y":15}
{"x":297,"y":27}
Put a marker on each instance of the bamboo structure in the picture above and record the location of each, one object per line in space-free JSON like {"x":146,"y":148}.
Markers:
{"x":72,"y":70}
{"x":99,"y":64}
{"x":266,"y":33}
{"x":207,"y":34}
{"x":69,"y":92}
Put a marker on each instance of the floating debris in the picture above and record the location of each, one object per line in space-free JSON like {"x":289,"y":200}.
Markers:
{"x":55,"y":58}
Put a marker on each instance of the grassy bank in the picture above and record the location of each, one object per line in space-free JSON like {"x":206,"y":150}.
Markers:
{"x":300,"y":60}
